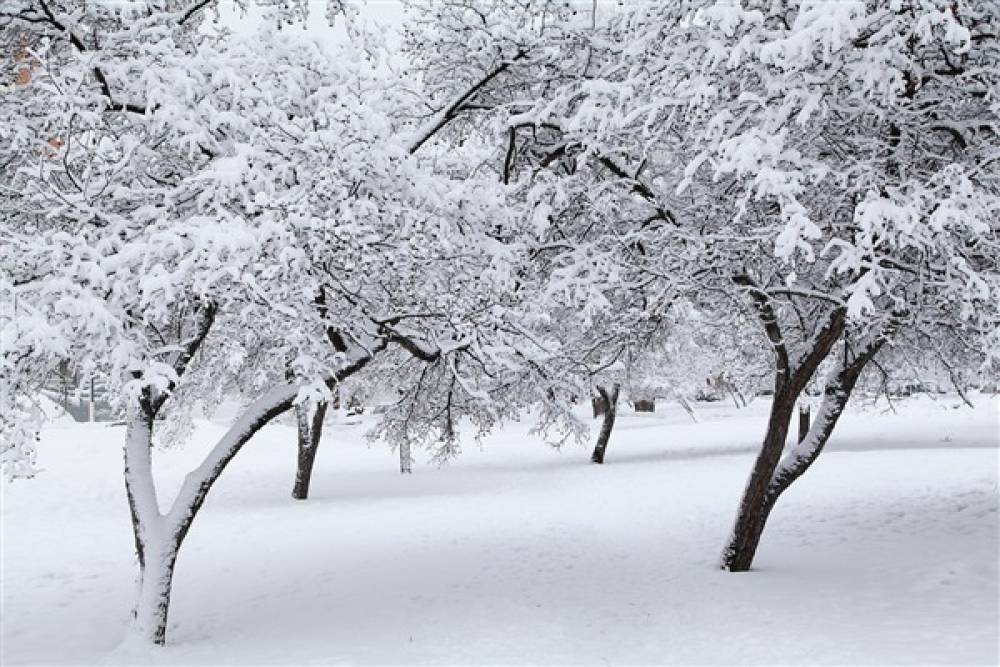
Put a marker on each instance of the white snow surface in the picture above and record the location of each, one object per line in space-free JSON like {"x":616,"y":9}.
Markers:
{"x":885,"y":552}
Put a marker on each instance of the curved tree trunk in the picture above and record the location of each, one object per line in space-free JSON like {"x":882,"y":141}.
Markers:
{"x":158,"y":536}
{"x":790,"y":379}
{"x":610,"y":400}
{"x":739,"y":552}
{"x":155,"y":546}
{"x":772,"y":476}
{"x":309,"y":419}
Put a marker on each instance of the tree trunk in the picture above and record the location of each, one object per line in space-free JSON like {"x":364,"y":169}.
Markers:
{"x":65,"y":392}
{"x":309,"y":417}
{"x":772,"y":474}
{"x":156,"y":559}
{"x":804,"y":416}
{"x":405,"y":459}
{"x":158,"y":537}
{"x":684,"y":403}
{"x":789,"y":382}
{"x":738,"y":398}
{"x":599,"y":405}
{"x":610,"y":400}
{"x":836,"y":393}
{"x":739,"y":552}
{"x":153,"y":601}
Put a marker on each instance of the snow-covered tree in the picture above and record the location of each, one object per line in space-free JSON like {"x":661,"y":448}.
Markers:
{"x":143,"y":219}
{"x":554,"y":201}
{"x":827,"y":163}
{"x":582,"y":242}
{"x":186,"y":210}
{"x":825,"y":169}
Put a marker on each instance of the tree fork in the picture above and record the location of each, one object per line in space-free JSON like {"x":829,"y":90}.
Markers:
{"x":739,"y":553}
{"x":159,"y":536}
{"x":789,"y":382}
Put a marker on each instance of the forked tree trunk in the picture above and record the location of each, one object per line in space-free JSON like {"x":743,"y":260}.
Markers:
{"x":309,"y":417}
{"x":684,"y":403}
{"x":772,"y":475}
{"x":610,"y":400}
{"x":738,"y":398}
{"x":158,"y":536}
{"x":836,"y":393}
{"x":790,"y":379}
{"x":155,"y":545}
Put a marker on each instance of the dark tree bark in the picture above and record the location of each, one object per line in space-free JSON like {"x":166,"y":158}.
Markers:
{"x":610,"y":400}
{"x":789,"y":382}
{"x":835,"y":396}
{"x":805,"y":414}
{"x":738,"y":398}
{"x":771,"y":474}
{"x":739,"y":553}
{"x":645,"y":406}
{"x":836,"y":393}
{"x":600,"y":405}
{"x":309,"y":419}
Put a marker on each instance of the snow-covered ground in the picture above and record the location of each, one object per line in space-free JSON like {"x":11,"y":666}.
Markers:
{"x":885,"y":552}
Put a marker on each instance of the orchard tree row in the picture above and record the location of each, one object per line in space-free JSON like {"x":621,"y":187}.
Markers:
{"x":517,"y":204}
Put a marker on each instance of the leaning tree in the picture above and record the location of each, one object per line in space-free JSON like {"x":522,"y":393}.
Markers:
{"x":831,"y":168}
{"x":184,"y":209}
